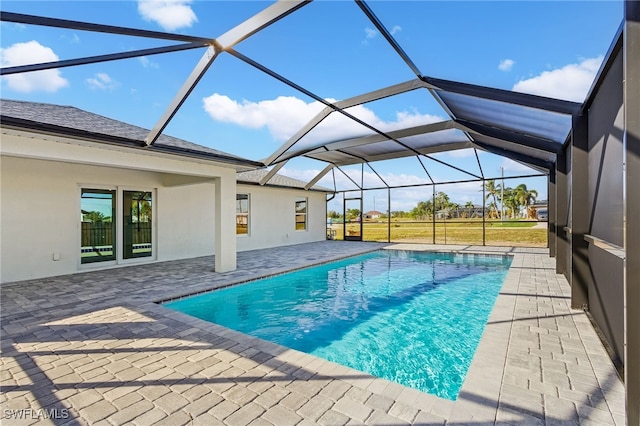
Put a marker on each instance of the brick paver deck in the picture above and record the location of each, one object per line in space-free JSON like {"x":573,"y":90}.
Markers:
{"x":94,"y":348}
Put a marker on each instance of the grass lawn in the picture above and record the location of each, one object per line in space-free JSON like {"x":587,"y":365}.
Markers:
{"x":514,"y":233}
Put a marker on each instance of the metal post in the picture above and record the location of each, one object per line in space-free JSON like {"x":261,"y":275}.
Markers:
{"x":484,"y":215}
{"x":388,"y":215}
{"x":551,"y":212}
{"x":445,"y":227}
{"x":433,"y":210}
{"x":631,"y":144}
{"x":562,"y":212}
{"x":502,"y":197}
{"x":581,"y":275}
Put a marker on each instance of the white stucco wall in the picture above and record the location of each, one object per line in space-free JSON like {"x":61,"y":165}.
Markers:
{"x":272,"y":217}
{"x":186,"y":221}
{"x":40,"y":181}
{"x":41,"y":211}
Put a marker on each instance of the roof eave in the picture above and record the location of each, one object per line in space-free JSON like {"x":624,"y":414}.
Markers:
{"x":122,"y":142}
{"x":274,"y":185}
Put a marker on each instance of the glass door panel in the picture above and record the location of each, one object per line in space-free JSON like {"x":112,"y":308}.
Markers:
{"x":98,"y":231}
{"x":353,"y":219}
{"x":136,"y":220}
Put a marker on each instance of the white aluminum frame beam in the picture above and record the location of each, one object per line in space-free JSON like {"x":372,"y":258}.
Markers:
{"x":100,"y":58}
{"x":272,"y":173}
{"x":401,"y":153}
{"x":259,"y":21}
{"x":319,"y":176}
{"x":375,"y":95}
{"x":190,"y":83}
{"x":387,"y":35}
{"x":394,"y":134}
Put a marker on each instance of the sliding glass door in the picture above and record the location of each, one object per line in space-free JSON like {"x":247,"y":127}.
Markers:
{"x":115,"y":225}
{"x":98,"y":227}
{"x":136,"y":220}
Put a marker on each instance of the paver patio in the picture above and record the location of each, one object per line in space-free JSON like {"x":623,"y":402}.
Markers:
{"x":94,"y":348}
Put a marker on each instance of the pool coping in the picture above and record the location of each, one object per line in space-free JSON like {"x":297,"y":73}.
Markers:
{"x":483,"y":379}
{"x":479,"y":398}
{"x":277,"y":348}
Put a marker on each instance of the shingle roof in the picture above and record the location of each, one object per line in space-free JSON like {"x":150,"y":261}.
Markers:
{"x":73,"y":121}
{"x":254,"y":177}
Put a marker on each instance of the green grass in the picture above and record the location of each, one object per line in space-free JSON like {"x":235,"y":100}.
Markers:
{"x":513,"y":233}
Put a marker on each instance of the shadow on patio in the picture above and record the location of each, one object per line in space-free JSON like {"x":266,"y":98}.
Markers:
{"x":121,"y":358}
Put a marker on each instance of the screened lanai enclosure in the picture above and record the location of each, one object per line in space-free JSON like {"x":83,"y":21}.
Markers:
{"x":583,"y":157}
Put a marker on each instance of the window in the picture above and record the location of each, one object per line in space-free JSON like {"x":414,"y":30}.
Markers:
{"x":136,"y":220}
{"x":301,"y":214}
{"x":115,"y":225}
{"x":242,"y":214}
{"x":97,"y":225}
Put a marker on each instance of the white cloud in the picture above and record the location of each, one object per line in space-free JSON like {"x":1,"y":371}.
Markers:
{"x":506,"y":65}
{"x":73,"y":38}
{"x":13,"y":25}
{"x":147,"y":63}
{"x":169,"y":14}
{"x":370,"y":32}
{"x":462,"y":192}
{"x":571,"y":82}
{"x":102,"y":81}
{"x":286,"y":115}
{"x":282,"y":116}
{"x":514,"y":167}
{"x":460,"y":153}
{"x":371,"y":180}
{"x":27,"y":53}
{"x":401,"y":198}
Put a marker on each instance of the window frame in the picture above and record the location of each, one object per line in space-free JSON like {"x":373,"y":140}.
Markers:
{"x":134,"y":258}
{"x":247,"y":215}
{"x":114,"y":221}
{"x":304,"y":214}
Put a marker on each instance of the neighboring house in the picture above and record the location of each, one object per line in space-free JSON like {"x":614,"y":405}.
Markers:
{"x":80,"y":191}
{"x":538,"y":210}
{"x":373,"y":214}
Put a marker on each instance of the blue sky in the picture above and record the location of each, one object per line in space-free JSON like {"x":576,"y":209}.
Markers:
{"x":550,"y":48}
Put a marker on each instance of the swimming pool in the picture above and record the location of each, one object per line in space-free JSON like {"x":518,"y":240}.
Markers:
{"x":411,"y":317}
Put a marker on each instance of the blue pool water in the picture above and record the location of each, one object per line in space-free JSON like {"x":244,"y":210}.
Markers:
{"x":411,"y":317}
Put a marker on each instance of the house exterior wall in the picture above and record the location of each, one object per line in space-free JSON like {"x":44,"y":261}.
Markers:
{"x":272,"y":217}
{"x":40,"y":216}
{"x":40,"y":187}
{"x":40,"y":207}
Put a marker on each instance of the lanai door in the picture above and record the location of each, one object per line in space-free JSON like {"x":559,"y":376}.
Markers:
{"x":353,"y":219}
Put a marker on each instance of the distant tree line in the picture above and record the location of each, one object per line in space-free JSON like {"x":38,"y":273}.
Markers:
{"x":512,"y":199}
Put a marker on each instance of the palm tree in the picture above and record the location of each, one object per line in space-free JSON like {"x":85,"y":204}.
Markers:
{"x":469,"y":206}
{"x":94,"y":216}
{"x":442,"y":201}
{"x":493,"y":190}
{"x":525,"y":196}
{"x":510,"y":201}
